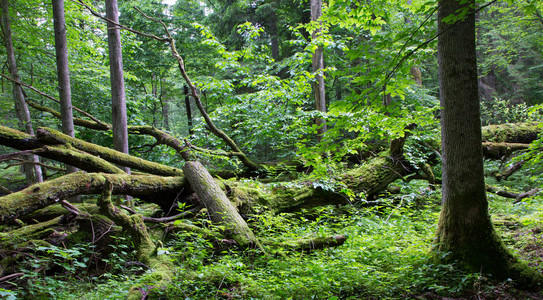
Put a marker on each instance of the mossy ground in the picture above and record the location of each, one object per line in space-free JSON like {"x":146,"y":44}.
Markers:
{"x":387,"y":255}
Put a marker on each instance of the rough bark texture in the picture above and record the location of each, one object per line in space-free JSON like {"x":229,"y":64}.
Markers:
{"x":33,"y":173}
{"x":118,"y":97}
{"x":219,"y":207}
{"x":464,"y":230}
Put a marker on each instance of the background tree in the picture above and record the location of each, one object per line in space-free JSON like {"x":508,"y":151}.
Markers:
{"x":33,"y":171}
{"x":61,"y":49}
{"x":318,"y":66}
{"x":118,"y":95}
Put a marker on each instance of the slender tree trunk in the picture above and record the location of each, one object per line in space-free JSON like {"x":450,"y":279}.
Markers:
{"x":165,"y":106}
{"x":118,"y":97}
{"x":189,"y":111}
{"x":65,"y":92}
{"x":33,"y":173}
{"x":318,"y":66}
{"x":273,"y":33}
{"x":465,"y":230}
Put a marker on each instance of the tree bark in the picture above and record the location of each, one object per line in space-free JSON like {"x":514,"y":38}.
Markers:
{"x":464,"y":229}
{"x":318,"y":67}
{"x":118,"y":97}
{"x":33,"y":173}
{"x":61,"y":48}
{"x":219,"y":207}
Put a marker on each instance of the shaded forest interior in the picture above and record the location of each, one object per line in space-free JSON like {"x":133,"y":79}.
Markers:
{"x":271,"y":149}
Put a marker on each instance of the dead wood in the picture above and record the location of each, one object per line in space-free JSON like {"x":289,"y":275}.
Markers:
{"x":509,"y":171}
{"x":507,"y":194}
{"x":218,"y":205}
{"x":43,"y":194}
{"x":55,"y":137}
{"x":314,"y":243}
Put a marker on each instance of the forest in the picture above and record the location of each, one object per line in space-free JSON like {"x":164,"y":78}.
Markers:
{"x":271,"y":149}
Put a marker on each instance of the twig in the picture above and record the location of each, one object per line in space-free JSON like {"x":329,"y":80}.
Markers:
{"x":11,"y":276}
{"x":96,"y":14}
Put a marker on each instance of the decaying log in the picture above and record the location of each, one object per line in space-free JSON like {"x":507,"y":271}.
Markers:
{"x":315,"y":243}
{"x":523,"y":133}
{"x":499,"y":150}
{"x":218,"y":205}
{"x":161,"y":266}
{"x":53,"y":136}
{"x":82,"y":158}
{"x":43,"y":194}
{"x":28,"y":232}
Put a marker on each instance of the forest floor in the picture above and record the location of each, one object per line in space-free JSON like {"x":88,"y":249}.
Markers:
{"x":386,"y":256}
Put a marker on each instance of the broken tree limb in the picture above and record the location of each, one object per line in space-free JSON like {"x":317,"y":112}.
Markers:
{"x":133,"y":224}
{"x":507,"y":194}
{"x":510,"y":171}
{"x":22,"y":141}
{"x":161,"y":266}
{"x":161,"y":137}
{"x":94,"y":124}
{"x":43,"y":194}
{"x":53,"y":136}
{"x":499,"y":150}
{"x":219,"y":207}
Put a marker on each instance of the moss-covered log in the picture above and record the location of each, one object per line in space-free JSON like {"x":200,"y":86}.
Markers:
{"x":499,"y":150}
{"x":55,"y":137}
{"x":161,"y":266}
{"x":219,"y":207}
{"x":28,"y":232}
{"x":315,"y":243}
{"x":43,"y":194}
{"x":94,"y":162}
{"x":523,"y":133}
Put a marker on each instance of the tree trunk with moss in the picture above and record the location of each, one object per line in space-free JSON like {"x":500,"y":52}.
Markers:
{"x":219,"y":207}
{"x":464,"y":230}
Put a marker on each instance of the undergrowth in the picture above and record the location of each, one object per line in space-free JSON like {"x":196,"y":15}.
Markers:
{"x":386,"y":256}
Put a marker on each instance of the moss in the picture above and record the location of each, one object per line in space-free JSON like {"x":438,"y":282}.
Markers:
{"x":511,"y":133}
{"x":43,"y":194}
{"x":29,"y":232}
{"x":110,"y":155}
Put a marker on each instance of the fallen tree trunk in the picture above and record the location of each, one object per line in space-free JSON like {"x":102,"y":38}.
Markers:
{"x":218,"y":205}
{"x":523,"y":133}
{"x":55,"y":137}
{"x":43,"y":194}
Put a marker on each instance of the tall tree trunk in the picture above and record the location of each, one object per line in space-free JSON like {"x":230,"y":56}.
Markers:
{"x":318,"y":66}
{"x":465,"y":230}
{"x":33,"y":173}
{"x":65,"y":92}
{"x":118,"y":97}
